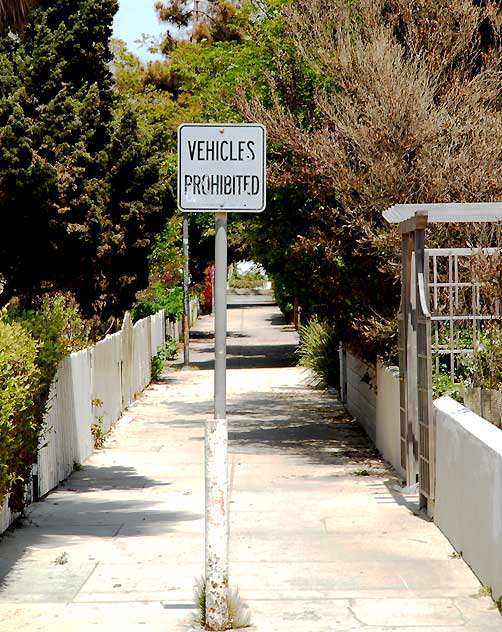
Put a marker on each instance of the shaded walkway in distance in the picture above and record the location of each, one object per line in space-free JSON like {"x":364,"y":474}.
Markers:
{"x":257,"y":336}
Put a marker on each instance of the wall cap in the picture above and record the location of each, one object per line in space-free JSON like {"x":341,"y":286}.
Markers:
{"x":482,"y":429}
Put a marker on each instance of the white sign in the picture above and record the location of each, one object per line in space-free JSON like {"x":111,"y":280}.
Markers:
{"x":221,"y":167}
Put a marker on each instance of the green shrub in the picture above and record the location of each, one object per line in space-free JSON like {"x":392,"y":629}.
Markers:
{"x":59,"y":330}
{"x":238,"y":617}
{"x":483,"y":366}
{"x":251,"y":279}
{"x":442,"y":385}
{"x":167,"y":352}
{"x":56,"y":329}
{"x":19,"y":383}
{"x":318,"y":351}
{"x":159,"y":297}
{"x":283,"y":297}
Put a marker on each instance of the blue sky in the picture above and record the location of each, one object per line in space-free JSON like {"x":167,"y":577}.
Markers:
{"x":134,"y":18}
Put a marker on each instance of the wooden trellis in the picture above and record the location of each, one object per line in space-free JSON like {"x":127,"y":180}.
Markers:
{"x":457,"y":307}
{"x":416,"y":328}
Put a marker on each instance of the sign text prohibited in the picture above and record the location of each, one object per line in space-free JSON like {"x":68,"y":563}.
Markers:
{"x":221,"y":167}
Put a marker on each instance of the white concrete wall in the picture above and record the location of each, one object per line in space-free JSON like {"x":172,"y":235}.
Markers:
{"x":468,"y":503}
{"x":114,"y":371}
{"x":372,"y":397}
{"x":388,"y":422}
{"x":468,"y":507}
{"x":361,"y":393}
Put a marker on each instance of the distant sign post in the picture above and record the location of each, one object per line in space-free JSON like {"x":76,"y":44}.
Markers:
{"x":221,"y":169}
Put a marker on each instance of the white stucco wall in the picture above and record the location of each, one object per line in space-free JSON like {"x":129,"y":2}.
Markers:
{"x":361,"y":393}
{"x":469,"y":488}
{"x":388,"y":416}
{"x":372,"y":397}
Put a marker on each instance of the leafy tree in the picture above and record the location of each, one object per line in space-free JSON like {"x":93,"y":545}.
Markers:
{"x":203,"y":81}
{"x":210,"y":21}
{"x":196,"y":83}
{"x":403,"y":105}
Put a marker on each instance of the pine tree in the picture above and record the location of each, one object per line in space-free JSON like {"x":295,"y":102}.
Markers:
{"x":209,"y":21}
{"x":69,"y":214}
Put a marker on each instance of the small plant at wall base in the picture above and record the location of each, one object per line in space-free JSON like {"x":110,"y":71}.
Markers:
{"x":97,"y":427}
{"x":238,"y":618}
{"x":167,"y":352}
{"x":98,"y":434}
{"x":318,"y":351}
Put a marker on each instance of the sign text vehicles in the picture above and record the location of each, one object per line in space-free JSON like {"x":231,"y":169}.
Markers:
{"x":221,"y":167}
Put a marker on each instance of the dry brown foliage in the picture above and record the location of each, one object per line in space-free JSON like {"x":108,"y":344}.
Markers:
{"x":415,"y":116}
{"x":13,"y":13}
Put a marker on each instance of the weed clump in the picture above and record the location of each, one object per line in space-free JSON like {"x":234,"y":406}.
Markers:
{"x":238,"y":616}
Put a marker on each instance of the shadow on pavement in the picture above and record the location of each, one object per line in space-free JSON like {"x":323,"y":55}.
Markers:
{"x":249,"y":357}
{"x":76,"y":510}
{"x":397,"y":496}
{"x":276,"y":319}
{"x":321,"y":432}
{"x":244,"y":305}
{"x":288,"y":426}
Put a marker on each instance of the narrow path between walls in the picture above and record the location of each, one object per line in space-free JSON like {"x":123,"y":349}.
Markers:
{"x":320,"y":540}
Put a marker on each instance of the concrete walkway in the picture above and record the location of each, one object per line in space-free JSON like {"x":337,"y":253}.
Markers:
{"x":320,"y":540}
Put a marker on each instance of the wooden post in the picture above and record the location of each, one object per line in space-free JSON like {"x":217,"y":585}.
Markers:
{"x":296,"y":319}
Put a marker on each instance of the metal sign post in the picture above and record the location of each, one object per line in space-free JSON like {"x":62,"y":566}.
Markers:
{"x":186,"y":298}
{"x":220,"y":168}
{"x":217,"y":450}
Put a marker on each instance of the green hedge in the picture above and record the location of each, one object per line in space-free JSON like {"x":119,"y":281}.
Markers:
{"x":19,"y":383}
{"x":159,"y":297}
{"x":32,"y":344}
{"x":318,"y":351}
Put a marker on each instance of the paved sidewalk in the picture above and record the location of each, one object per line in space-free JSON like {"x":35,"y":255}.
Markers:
{"x":320,"y":540}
